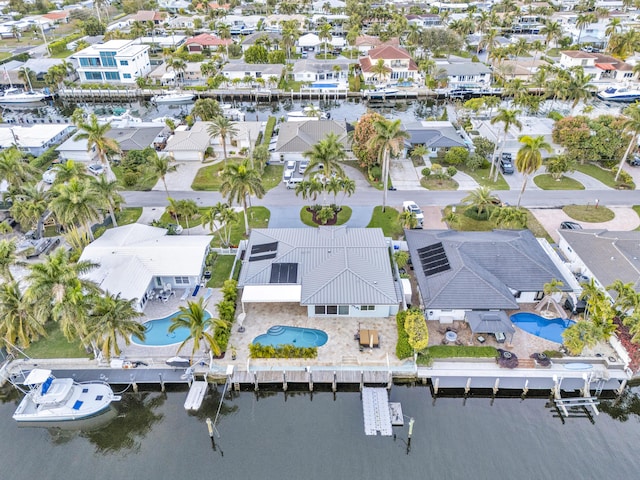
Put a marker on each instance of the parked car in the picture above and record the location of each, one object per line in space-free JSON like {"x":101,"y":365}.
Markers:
{"x":49,"y":176}
{"x":290,"y":165}
{"x":506,"y":167}
{"x":287,"y":174}
{"x":634,"y":161}
{"x":570,"y":226}
{"x":303,"y":166}
{"x":96,"y":169}
{"x":410,"y":206}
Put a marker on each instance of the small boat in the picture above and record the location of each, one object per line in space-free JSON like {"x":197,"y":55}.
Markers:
{"x":382,"y":92}
{"x":50,"y":399}
{"x":621,"y":94}
{"x":15,"y":95}
{"x":307,"y":113}
{"x":120,"y":120}
{"x":172,"y":97}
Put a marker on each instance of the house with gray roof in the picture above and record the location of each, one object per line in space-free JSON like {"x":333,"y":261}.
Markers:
{"x":435,"y":136}
{"x":333,"y":271}
{"x":295,"y":138}
{"x":270,"y":40}
{"x":603,"y":255}
{"x":462,"y":272}
{"x":467,"y":74}
{"x":189,"y":145}
{"x":240,"y":70}
{"x":318,"y":70}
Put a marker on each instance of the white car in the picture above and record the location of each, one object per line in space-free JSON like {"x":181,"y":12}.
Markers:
{"x":412,"y":207}
{"x":303,"y":166}
{"x":286,"y":176}
{"x":49,"y":176}
{"x":96,"y":169}
{"x":290,"y":165}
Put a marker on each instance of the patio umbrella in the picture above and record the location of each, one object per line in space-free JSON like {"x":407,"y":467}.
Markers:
{"x":241,"y":318}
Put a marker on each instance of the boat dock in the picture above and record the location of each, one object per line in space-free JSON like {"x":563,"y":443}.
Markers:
{"x":375,"y":408}
{"x":196,"y":395}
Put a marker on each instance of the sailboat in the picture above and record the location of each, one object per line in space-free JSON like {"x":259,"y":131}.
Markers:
{"x":16,"y":95}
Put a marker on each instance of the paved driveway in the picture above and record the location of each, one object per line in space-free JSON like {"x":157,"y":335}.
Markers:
{"x":550,"y":218}
{"x":182,"y":178}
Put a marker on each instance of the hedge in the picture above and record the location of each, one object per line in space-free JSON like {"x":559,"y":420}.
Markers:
{"x":257,"y":350}
{"x":461,"y":351}
{"x":268,"y":131}
{"x":403,"y":349}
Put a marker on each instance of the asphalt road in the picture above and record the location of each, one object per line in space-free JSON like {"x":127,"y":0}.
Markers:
{"x":280,"y":196}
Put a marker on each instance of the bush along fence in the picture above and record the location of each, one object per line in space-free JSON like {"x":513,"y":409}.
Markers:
{"x":226,"y":312}
{"x":257,"y":350}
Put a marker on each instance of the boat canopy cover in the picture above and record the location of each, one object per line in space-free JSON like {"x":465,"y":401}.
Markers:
{"x":37,"y":376}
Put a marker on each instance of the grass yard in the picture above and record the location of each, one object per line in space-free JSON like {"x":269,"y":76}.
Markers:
{"x":55,"y":345}
{"x":605,"y":176}
{"x":481,"y":175}
{"x":343,"y":216}
{"x":127,"y":216}
{"x":258,"y":218}
{"x":221,"y":270}
{"x":144,"y":182}
{"x":547,"y":182}
{"x":193,"y":221}
{"x":210,"y":178}
{"x":432,"y":183}
{"x":272,"y":176}
{"x":589,"y":213}
{"x":388,"y":221}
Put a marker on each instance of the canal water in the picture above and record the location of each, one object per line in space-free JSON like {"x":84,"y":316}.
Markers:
{"x":321,"y":436}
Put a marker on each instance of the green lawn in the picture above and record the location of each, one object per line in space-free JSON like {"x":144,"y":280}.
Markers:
{"x":258,"y":218}
{"x":605,"y":176}
{"x":589,"y":213}
{"x":288,"y":85}
{"x":343,"y":216}
{"x":208,"y":178}
{"x":547,"y":182}
{"x":455,"y":351}
{"x":63,"y":54}
{"x":272,"y":176}
{"x":193,"y":222}
{"x":127,"y":216}
{"x":221,"y":270}
{"x":432,"y":183}
{"x":387,"y":221}
{"x":55,"y":345}
{"x":365,"y":173}
{"x":143,"y":181}
{"x":636,"y":208}
{"x":481,"y":175}
{"x":4,"y":55}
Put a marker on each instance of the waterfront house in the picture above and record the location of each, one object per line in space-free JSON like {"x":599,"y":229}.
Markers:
{"x":467,"y":74}
{"x":400,"y":66}
{"x":135,"y":259}
{"x":295,"y":138}
{"x":534,"y":126}
{"x":205,"y":41}
{"x":364,"y":43}
{"x":437,"y":137}
{"x":189,"y":144}
{"x":601,"y":67}
{"x":332,"y":271}
{"x":116,"y":61}
{"x":269,"y":40}
{"x":461,"y":272}
{"x":245,"y":138}
{"x":319,"y":70}
{"x":191,"y":75}
{"x":605,"y":256}
{"x":33,"y":139}
{"x":241,"y":70}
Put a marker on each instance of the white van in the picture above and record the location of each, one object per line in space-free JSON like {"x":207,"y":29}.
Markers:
{"x":293,"y":181}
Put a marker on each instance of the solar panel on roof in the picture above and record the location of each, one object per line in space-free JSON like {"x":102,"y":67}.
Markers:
{"x":284,"y":273}
{"x":255,"y":258}
{"x":433,"y":259}
{"x":264,"y":248}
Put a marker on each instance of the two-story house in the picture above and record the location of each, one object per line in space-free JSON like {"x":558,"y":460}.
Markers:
{"x":400,"y":66}
{"x":205,"y":40}
{"x":116,"y":61}
{"x":602,"y":68}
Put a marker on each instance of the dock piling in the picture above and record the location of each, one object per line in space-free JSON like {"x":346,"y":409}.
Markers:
{"x":310,"y":379}
{"x":161,"y":382}
{"x":284,"y":381}
{"x":495,"y":386}
{"x":361,"y":379}
{"x":436,"y":385}
{"x":467,"y":388}
{"x":255,"y":381}
{"x":334,"y":385}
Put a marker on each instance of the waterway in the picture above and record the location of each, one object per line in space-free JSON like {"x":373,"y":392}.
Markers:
{"x":272,"y":436}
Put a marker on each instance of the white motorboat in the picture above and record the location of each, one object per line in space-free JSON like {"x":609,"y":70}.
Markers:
{"x":382,"y":92}
{"x":15,"y":95}
{"x":172,"y":97}
{"x":307,"y":113}
{"x":620,"y":94}
{"x":50,"y":399}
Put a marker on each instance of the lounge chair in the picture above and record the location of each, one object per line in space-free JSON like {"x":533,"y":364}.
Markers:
{"x":186,"y":293}
{"x":208,"y":294}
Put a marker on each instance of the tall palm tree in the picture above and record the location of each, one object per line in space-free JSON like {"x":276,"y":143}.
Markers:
{"x":201,"y":326}
{"x":108,"y":195}
{"x":160,"y":166}
{"x":627,"y":299}
{"x":324,"y":33}
{"x":481,"y":198}
{"x":326,"y":155}
{"x":65,"y":171}
{"x":178,"y":66}
{"x":222,"y":216}
{"x":389,"y":140}
{"x":27,"y":76}
{"x":552,"y":31}
{"x":529,"y":157}
{"x":240,"y":181}
{"x":224,"y":128}
{"x":8,"y":258}
{"x":509,"y":118}
{"x":96,"y":135}
{"x":14,"y":169}
{"x":75,"y":203}
{"x":630,"y":125}
{"x":380,"y":70}
{"x":187,"y":208}
{"x":206,"y":109}
{"x":112,"y":317}
{"x":18,"y":320}
{"x":30,"y":201}
{"x":579,"y":88}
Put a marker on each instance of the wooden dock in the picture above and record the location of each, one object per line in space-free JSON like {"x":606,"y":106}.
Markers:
{"x":375,"y":408}
{"x":310,"y":377}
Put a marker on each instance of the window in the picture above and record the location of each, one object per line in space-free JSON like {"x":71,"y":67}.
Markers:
{"x":124,"y":62}
{"x":343,"y":309}
{"x":89,"y":62}
{"x":332,"y":309}
{"x":319,"y":310}
{"x":365,"y":308}
{"x":93,"y":75}
{"x":111,"y":76}
{"x":126,"y":75}
{"x":108,"y":59}
{"x":181,"y":280}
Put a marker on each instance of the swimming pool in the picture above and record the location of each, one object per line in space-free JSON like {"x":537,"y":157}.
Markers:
{"x":324,"y":85}
{"x":549,"y":329}
{"x":157,"y":332}
{"x":299,"y":337}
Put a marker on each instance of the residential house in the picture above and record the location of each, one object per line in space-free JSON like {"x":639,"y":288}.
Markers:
{"x":173,"y":6}
{"x":332,"y":271}
{"x":533,"y":126}
{"x":466,"y":74}
{"x":205,"y":41}
{"x":57,"y":17}
{"x":295,"y":138}
{"x":603,"y":255}
{"x":601,"y":67}
{"x":241,"y":70}
{"x":273,"y":23}
{"x":364,"y":43}
{"x":34,"y":139}
{"x":315,"y":70}
{"x":437,"y":137}
{"x":327,"y":6}
{"x":154,"y":16}
{"x":463,"y":272}
{"x":191,"y":75}
{"x":269,"y":40}
{"x":400,"y":66}
{"x":116,"y":61}
{"x":134,"y":259}
{"x":245,"y":138}
{"x":189,"y":144}
{"x":427,"y":20}
{"x":521,"y":68}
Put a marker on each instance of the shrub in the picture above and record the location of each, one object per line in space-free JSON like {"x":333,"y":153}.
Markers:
{"x":130,"y":179}
{"x":226,"y":310}
{"x":230,"y":290}
{"x":375,"y":173}
{"x":268,"y":130}
{"x":257,"y":350}
{"x":456,"y":156}
{"x":222,"y":336}
{"x":553,"y":354}
{"x":555,"y":115}
{"x":403,"y":349}
{"x":475,"y":162}
{"x":426,"y":171}
{"x":451,"y":171}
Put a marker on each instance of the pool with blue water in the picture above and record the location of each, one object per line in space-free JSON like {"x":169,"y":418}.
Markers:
{"x":157,"y":332}
{"x":299,"y":337}
{"x":549,"y":329}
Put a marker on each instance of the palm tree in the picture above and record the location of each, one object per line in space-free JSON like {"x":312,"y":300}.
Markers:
{"x":549,"y":288}
{"x":582,"y":21}
{"x":627,"y":299}
{"x":206,"y":109}
{"x":224,"y":216}
{"x":178,"y":66}
{"x":408,"y":219}
{"x":201,"y":326}
{"x":529,"y":157}
{"x":26,"y":75}
{"x":14,"y":169}
{"x":75,"y":203}
{"x":309,"y":189}
{"x":108,"y":195}
{"x":112,"y":317}
{"x":65,"y":171}
{"x":509,"y":118}
{"x":552,"y":31}
{"x":579,"y":88}
{"x":18,"y":320}
{"x":389,"y":140}
{"x":238,"y":182}
{"x":30,"y":201}
{"x":509,"y":217}
{"x":160,"y":166}
{"x":187,"y":209}
{"x":96,"y":136}
{"x":224,"y":128}
{"x":380,"y":70}
{"x":324,"y":33}
{"x":8,"y":258}
{"x":326,"y":155}
{"x":482,"y":199}
{"x":630,"y":125}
